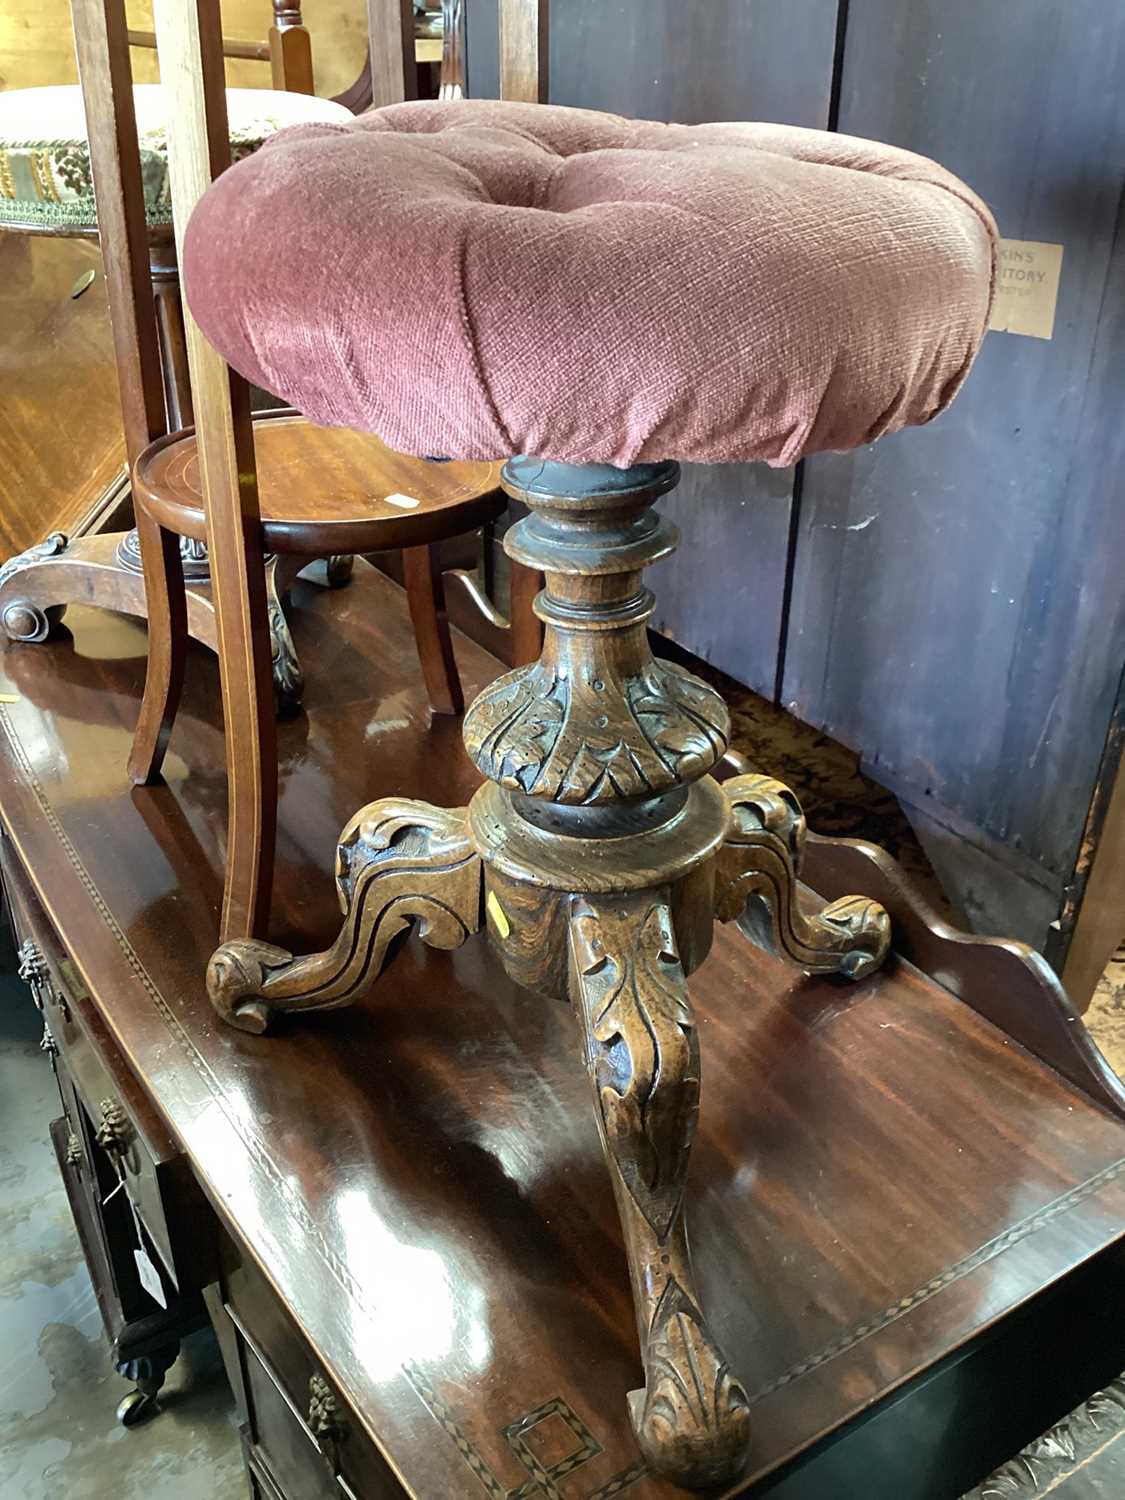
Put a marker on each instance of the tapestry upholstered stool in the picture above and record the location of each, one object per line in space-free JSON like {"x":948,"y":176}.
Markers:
{"x":601,"y":297}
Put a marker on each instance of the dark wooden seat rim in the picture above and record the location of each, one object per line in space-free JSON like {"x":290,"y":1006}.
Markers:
{"x":311,"y":518}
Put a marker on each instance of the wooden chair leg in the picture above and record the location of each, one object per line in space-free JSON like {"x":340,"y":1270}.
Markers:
{"x":527,"y":628}
{"x":425,"y":595}
{"x":167,"y":648}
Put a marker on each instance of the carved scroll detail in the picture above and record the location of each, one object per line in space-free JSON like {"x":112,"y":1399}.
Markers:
{"x":586,"y":738}
{"x":52,"y":546}
{"x":34,"y":972}
{"x":760,"y":859}
{"x":288,"y":679}
{"x":22,"y":619}
{"x":398,"y":862}
{"x":324,"y":1419}
{"x":113,"y":1128}
{"x":642,"y":1054}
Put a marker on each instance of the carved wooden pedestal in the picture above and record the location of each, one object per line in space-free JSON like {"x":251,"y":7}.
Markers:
{"x":598,"y":853}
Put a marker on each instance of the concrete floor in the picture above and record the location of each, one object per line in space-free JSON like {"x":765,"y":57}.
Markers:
{"x":59,"y":1439}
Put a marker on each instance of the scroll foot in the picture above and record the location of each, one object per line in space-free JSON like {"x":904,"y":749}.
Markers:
{"x":398,"y":862}
{"x":756,"y":883}
{"x":25,"y":617}
{"x":692,"y":1418}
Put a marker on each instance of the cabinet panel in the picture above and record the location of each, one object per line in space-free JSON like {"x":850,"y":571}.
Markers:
{"x":721,"y":596}
{"x":957,"y":609}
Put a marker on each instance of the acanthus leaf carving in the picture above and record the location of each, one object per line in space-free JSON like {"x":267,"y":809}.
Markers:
{"x":645,"y":1052}
{"x":589,"y":736}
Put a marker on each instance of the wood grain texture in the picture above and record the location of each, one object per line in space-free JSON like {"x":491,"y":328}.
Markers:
{"x":524,"y":71}
{"x":957,"y":610}
{"x":425,"y":594}
{"x":877,"y":1173}
{"x":1003,"y":980}
{"x":390,"y":26}
{"x":290,"y":49}
{"x":58,"y":365}
{"x":37,"y":45}
{"x":326,"y":490}
{"x":190,"y":45}
{"x":101,"y":44}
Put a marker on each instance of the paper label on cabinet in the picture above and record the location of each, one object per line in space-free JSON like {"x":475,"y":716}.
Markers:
{"x":150,"y":1278}
{"x":1027,"y":288}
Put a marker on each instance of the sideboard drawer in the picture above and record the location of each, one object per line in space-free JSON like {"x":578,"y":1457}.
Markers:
{"x":296,"y":1420}
{"x":121,"y":1119}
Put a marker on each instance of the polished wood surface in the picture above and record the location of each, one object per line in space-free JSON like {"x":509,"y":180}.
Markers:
{"x":60,"y":415}
{"x":1004,"y":980}
{"x":328,"y":489}
{"x":879,"y":1173}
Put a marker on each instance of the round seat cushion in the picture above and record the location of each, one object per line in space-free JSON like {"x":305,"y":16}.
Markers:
{"x":45,"y":181}
{"x":478,"y":279}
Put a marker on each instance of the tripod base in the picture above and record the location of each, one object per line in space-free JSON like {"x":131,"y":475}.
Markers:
{"x":599,"y":853}
{"x":620,"y":957}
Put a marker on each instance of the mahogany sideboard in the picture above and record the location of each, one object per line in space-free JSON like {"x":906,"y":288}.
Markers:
{"x":398,"y":1213}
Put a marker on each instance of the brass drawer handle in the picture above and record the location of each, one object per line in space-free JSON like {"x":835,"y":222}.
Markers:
{"x":33,"y":971}
{"x":73,"y":1150}
{"x":324,"y":1420}
{"x":113,"y":1131}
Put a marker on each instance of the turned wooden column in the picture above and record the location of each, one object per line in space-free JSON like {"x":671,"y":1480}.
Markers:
{"x":594,"y":754}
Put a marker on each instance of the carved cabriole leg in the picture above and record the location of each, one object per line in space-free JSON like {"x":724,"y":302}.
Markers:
{"x":757,"y":879}
{"x":288,"y":679}
{"x":642,"y":1054}
{"x":599,"y":828}
{"x":398,"y":862}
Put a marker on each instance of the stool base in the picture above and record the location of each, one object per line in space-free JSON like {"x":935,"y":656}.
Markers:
{"x":598,"y":855}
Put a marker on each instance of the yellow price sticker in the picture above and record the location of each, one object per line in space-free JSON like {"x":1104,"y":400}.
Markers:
{"x":496,"y":912}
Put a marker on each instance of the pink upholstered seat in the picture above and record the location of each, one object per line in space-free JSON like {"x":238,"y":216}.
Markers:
{"x":478,"y":279}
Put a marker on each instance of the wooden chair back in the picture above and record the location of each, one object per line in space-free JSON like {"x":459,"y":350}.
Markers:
{"x":190,"y":49}
{"x":287,"y":48}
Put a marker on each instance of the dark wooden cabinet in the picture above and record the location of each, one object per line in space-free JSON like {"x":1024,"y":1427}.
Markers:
{"x":134,"y":1201}
{"x":947,"y":602}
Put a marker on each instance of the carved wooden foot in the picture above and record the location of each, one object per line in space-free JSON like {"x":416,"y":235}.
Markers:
{"x":288,"y":679}
{"x":398,"y":861}
{"x":25,"y":616}
{"x":642,"y":1054}
{"x":756,"y":883}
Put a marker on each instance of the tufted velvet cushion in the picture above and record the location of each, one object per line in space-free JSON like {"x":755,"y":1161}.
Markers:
{"x":479,"y":279}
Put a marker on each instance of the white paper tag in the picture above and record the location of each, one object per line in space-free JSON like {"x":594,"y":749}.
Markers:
{"x":150,"y":1278}
{"x":1027,"y":288}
